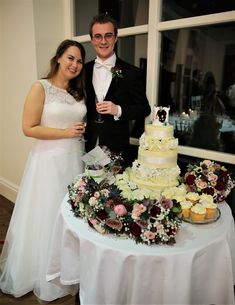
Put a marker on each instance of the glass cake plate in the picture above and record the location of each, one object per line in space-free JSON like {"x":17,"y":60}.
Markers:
{"x":205,"y":221}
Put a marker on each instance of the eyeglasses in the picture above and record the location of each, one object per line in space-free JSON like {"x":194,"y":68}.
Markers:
{"x":106,"y":36}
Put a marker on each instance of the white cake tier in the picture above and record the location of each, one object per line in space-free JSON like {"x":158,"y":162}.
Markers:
{"x":151,"y":178}
{"x":159,"y":132}
{"x":157,"y":159}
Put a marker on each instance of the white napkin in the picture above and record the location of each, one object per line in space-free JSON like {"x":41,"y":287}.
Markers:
{"x":96,"y":156}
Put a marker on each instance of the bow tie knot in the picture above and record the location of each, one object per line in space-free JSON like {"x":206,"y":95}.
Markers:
{"x":105,"y":65}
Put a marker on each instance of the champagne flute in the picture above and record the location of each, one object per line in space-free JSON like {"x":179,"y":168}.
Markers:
{"x":81,"y":138}
{"x":99,"y":118}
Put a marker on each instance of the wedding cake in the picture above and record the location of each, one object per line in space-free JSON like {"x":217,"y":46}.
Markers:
{"x":156,"y":166}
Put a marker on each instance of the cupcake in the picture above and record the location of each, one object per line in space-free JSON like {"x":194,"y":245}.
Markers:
{"x":206,"y":197}
{"x":185,"y":208}
{"x":193,"y":197}
{"x":198,"y":212}
{"x":211,"y":209}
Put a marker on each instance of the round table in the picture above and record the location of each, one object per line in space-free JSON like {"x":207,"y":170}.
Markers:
{"x":198,"y":269}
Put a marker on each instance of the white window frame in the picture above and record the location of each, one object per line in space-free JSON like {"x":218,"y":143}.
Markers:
{"x":153,"y":29}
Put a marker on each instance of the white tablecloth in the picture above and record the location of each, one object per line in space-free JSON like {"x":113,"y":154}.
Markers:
{"x":198,"y":269}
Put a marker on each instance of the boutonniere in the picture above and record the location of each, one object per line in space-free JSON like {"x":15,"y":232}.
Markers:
{"x":116,"y":72}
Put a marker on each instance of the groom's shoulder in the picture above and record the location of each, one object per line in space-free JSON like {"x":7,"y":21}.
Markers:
{"x":89,"y":64}
{"x":129,"y":68}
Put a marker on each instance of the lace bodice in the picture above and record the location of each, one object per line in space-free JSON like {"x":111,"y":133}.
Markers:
{"x":60,"y":108}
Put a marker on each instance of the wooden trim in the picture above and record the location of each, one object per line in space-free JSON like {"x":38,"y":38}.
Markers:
{"x":8,"y":189}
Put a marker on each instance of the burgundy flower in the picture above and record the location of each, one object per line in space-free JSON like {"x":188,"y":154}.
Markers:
{"x":102,"y":214}
{"x":72,"y":202}
{"x":204,"y":166}
{"x":190,"y":179}
{"x":208,"y":191}
{"x":155,"y":211}
{"x":223,"y":174}
{"x":220,"y":185}
{"x":205,"y":178}
{"x":142,"y":223}
{"x":90,"y":223}
{"x":135,"y":230}
{"x":109,"y":203}
{"x":172,"y":231}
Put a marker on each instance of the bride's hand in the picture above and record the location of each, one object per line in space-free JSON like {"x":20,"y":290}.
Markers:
{"x":76,"y":130}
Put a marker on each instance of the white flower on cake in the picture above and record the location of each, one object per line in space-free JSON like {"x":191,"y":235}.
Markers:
{"x":153,"y":144}
{"x":177,"y":193}
{"x":130,"y":191}
{"x":161,"y":176}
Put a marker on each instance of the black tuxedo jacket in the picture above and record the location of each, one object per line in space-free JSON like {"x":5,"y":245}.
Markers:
{"x":129,"y":93}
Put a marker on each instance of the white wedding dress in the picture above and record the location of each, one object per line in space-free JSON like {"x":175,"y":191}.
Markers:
{"x":51,"y":166}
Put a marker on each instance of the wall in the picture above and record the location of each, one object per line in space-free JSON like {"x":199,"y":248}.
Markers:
{"x":18,"y":70}
{"x":26,"y":45}
{"x":1,"y":89}
{"x":49,"y":31}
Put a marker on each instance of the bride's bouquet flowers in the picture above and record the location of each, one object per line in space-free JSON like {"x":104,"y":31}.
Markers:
{"x":210,"y":178}
{"x":145,"y":220}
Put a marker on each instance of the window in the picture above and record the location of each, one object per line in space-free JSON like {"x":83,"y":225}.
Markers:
{"x":176,"y":42}
{"x":197,"y":79}
{"x":177,"y":9}
{"x":126,"y":12}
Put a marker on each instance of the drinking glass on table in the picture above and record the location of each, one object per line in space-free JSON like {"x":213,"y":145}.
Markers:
{"x":99,"y":118}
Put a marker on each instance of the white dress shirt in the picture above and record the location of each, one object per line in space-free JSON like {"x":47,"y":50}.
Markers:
{"x":102,"y":77}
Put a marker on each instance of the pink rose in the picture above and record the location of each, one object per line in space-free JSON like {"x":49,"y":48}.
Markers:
{"x":201,"y":184}
{"x":212,"y":177}
{"x":149,"y":235}
{"x":93,"y":221}
{"x":138,"y":209}
{"x":207,"y":163}
{"x":80,"y":184}
{"x":120,"y":210}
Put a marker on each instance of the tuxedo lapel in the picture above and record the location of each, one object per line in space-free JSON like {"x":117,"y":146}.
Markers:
{"x":89,"y":84}
{"x":116,"y":83}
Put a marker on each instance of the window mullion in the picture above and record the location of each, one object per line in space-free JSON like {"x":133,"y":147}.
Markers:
{"x":196,"y":21}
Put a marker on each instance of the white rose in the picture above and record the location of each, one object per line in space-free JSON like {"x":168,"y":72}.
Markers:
{"x":92,"y":201}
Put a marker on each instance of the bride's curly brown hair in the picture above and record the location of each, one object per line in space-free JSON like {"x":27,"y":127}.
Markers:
{"x":76,"y":85}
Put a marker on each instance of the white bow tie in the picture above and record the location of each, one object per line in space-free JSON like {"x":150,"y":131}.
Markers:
{"x":99,"y":65}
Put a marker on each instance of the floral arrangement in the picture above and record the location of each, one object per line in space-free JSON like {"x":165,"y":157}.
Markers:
{"x":114,"y":166}
{"x":145,"y":220}
{"x":210,"y":178}
{"x":116,"y":161}
{"x":116,"y":72}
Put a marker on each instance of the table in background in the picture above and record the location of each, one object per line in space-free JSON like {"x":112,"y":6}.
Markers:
{"x":198,"y":269}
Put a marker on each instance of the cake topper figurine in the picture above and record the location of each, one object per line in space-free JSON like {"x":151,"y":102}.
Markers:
{"x":161,"y":115}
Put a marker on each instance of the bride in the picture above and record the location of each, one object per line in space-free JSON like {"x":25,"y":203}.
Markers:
{"x":53,"y":114}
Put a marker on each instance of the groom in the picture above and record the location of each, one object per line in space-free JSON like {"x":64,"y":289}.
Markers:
{"x":119,"y":88}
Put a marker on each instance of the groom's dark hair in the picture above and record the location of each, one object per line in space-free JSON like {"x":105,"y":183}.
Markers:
{"x":103,"y":18}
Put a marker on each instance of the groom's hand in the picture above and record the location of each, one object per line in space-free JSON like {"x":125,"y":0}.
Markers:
{"x":107,"y":107}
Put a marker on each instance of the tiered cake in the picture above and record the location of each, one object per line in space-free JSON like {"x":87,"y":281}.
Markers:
{"x":156,"y":166}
